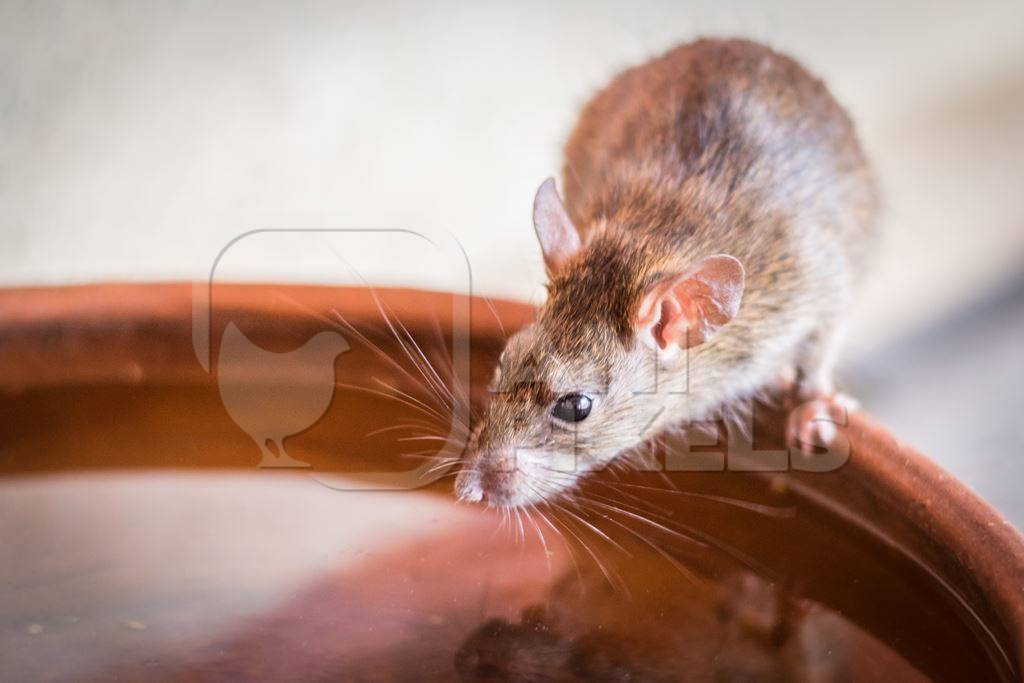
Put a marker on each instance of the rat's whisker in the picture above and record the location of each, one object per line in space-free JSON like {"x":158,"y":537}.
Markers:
{"x":426,"y":437}
{"x":767,"y":510}
{"x":683,"y":570}
{"x":642,"y":503}
{"x":597,"y":561}
{"x":497,"y":317}
{"x":456,"y":420}
{"x":428,"y":454}
{"x":381,"y":353}
{"x":449,"y":368}
{"x":456,"y":471}
{"x":531,"y":508}
{"x":595,"y":530}
{"x":426,"y":362}
{"x":692,"y":535}
{"x":393,"y":397}
{"x":557,"y":505}
{"x":410,"y":397}
{"x":410,"y":424}
{"x":433,"y":383}
{"x":650,"y":522}
{"x":441,"y":464}
{"x":565,"y":541}
{"x":432,"y":378}
{"x":306,"y":309}
{"x":519,"y":522}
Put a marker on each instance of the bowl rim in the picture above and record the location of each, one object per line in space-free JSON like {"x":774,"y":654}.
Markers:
{"x":949,"y":523}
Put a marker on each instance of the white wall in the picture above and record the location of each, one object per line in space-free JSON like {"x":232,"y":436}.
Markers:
{"x":137,"y":138}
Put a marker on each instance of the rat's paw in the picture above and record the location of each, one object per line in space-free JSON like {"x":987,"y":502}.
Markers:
{"x":814,"y":431}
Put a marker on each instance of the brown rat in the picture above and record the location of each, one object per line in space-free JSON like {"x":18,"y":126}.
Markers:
{"x":718,"y":217}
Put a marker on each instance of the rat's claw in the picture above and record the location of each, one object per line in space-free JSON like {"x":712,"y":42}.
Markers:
{"x":786,"y":379}
{"x":815,"y":424}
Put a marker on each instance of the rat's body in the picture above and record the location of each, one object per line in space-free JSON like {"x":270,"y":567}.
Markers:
{"x":718,"y":216}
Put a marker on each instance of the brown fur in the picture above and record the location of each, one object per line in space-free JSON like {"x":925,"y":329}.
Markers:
{"x":719,"y":146}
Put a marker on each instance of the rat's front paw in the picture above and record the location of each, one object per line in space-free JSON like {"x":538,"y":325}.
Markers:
{"x":814,"y":432}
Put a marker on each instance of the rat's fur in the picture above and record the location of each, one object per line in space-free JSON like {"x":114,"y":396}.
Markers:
{"x":719,"y":146}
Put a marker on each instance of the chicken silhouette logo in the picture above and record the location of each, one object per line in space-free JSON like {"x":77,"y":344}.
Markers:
{"x":291,"y":391}
{"x":273,"y":395}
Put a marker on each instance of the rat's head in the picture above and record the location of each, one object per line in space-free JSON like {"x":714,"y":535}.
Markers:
{"x":579,"y":385}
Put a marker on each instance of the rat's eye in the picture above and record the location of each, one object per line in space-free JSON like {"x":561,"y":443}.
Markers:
{"x":572,"y":407}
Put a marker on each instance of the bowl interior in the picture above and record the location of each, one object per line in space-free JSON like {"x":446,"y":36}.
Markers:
{"x":162,"y":521}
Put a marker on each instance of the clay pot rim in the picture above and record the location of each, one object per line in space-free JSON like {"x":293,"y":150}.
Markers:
{"x":956,"y":520}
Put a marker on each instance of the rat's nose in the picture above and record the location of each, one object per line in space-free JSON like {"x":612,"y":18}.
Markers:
{"x":490,"y":479}
{"x":498,"y":486}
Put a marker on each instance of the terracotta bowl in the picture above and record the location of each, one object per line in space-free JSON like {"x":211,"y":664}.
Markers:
{"x":244,"y":484}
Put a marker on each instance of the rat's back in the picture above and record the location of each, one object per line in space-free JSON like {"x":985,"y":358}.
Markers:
{"x":725,"y":137}
{"x":726,"y":146}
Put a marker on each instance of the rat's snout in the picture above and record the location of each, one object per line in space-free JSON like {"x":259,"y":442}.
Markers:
{"x":491,"y":477}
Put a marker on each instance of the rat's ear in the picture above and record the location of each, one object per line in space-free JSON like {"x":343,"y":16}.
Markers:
{"x":688,"y":309}
{"x":558,"y":237}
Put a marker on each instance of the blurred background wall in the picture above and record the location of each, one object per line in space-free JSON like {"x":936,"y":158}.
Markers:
{"x":138,"y":138}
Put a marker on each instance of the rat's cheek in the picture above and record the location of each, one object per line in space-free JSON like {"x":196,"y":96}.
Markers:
{"x":551,"y":475}
{"x":558,"y":462}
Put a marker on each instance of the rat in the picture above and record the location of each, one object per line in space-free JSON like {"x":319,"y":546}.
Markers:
{"x":719,"y":217}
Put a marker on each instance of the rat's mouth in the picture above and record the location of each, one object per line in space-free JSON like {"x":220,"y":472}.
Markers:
{"x":508,"y":488}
